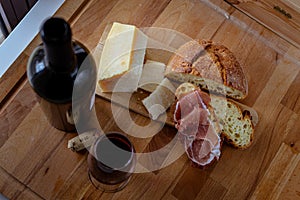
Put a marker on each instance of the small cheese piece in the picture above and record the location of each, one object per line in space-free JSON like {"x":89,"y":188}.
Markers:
{"x":122,"y":58}
{"x":83,"y":140}
{"x":161,"y":99}
{"x":152,"y":75}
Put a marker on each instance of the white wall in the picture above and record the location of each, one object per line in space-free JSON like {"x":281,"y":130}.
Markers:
{"x":25,"y":31}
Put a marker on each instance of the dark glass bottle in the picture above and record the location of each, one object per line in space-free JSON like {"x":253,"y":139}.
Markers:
{"x":52,"y":70}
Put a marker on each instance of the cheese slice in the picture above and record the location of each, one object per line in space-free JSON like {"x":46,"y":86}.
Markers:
{"x":152,"y":75}
{"x":122,"y":58}
{"x":161,"y":99}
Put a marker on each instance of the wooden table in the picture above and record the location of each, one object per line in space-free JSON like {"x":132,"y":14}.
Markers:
{"x":36,"y":164}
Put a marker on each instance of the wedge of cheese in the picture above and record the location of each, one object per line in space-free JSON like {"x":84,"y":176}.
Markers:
{"x":122,"y":58}
{"x":152,"y":75}
{"x":161,"y":99}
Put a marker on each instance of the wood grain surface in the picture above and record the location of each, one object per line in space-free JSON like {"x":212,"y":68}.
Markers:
{"x":281,"y":16}
{"x":36,"y":164}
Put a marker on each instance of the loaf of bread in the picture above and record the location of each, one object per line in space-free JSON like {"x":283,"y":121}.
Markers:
{"x":211,"y":66}
{"x":237,"y":127}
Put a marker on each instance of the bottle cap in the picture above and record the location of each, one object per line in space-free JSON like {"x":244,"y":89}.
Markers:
{"x":55,"y":30}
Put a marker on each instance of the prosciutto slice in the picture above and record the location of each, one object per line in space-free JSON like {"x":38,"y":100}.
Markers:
{"x":200,"y":139}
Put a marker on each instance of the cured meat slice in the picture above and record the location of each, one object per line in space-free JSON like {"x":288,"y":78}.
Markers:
{"x":195,"y":99}
{"x":197,"y":152}
{"x":198,"y":134}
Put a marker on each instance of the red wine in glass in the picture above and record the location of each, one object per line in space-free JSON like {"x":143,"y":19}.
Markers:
{"x":111,"y":162}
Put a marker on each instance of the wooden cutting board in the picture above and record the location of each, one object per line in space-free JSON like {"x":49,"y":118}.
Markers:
{"x":162,"y":44}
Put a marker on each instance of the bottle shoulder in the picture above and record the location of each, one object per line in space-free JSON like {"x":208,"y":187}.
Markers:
{"x":55,"y":86}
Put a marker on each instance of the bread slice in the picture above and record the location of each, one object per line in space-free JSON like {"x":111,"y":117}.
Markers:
{"x":237,"y":127}
{"x":211,"y":66}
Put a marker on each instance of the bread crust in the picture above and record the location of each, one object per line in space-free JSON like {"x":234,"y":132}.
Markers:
{"x":204,"y":59}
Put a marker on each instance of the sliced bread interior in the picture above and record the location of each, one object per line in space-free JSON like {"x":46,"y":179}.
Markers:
{"x":237,"y":127}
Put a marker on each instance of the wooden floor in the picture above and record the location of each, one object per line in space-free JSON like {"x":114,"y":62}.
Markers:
{"x":36,"y":164}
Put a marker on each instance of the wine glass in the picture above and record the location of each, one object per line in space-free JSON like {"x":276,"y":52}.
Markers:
{"x":111,"y":162}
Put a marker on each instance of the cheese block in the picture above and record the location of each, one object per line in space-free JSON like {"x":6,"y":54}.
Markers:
{"x":122,"y":59}
{"x":152,"y":75}
{"x":161,"y":99}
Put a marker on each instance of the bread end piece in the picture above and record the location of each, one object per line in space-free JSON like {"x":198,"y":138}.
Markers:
{"x":183,"y":89}
{"x":237,"y":127}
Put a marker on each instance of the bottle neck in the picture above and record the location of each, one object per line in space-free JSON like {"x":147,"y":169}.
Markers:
{"x":60,"y":57}
{"x":57,"y":38}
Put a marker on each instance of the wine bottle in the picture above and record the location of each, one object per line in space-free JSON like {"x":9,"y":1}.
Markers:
{"x":52,"y":70}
